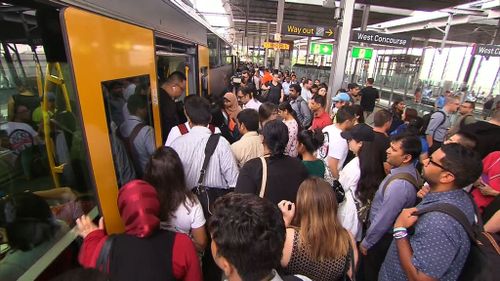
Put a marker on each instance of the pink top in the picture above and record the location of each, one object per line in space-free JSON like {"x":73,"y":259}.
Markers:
{"x":490,"y":176}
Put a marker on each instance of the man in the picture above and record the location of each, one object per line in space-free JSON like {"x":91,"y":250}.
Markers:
{"x":369,"y":96}
{"x":286,"y":86}
{"x":129,"y":86}
{"x":340,"y":100}
{"x":439,"y":247}
{"x":393,"y":195}
{"x":276,"y":93}
{"x":138,"y":137}
{"x":24,"y":97}
{"x":486,"y":133}
{"x":299,"y":105}
{"x":306,"y":90}
{"x":267,"y":77}
{"x":294,"y":79}
{"x":353,"y":90}
{"x":321,"y":117}
{"x":184,"y":128}
{"x":257,"y":80}
{"x":439,"y":103}
{"x":250,"y":145}
{"x":246,"y":100}
{"x":382,"y":122}
{"x":248,"y":236}
{"x":171,"y":112}
{"x":335,"y":147}
{"x":439,"y":124}
{"x":222,"y":171}
{"x":466,"y":117}
{"x":116,"y":102}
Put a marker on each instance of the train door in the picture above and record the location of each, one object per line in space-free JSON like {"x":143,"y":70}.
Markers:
{"x":173,"y":56}
{"x":110,"y":66}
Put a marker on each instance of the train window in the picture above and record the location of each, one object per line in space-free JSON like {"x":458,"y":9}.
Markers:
{"x":129,"y":116}
{"x":44,"y":177}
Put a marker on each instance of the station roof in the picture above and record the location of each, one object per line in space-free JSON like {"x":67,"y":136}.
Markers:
{"x":473,"y":21}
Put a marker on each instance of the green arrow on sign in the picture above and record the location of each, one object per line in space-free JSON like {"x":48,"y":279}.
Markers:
{"x":321,"y":49}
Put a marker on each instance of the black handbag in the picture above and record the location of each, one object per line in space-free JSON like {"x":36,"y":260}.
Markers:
{"x":339,"y":191}
{"x":207,"y":195}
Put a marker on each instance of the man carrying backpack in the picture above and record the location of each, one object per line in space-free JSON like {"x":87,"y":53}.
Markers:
{"x":440,"y":245}
{"x":397,"y":191}
{"x":440,"y":123}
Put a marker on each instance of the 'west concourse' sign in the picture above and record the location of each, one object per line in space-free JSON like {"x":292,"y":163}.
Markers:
{"x":487,"y":50}
{"x":371,"y":37}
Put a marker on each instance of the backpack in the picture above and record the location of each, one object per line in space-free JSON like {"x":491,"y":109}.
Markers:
{"x":364,"y":210}
{"x":427,"y":119}
{"x":483,"y":261}
{"x":128,"y":142}
{"x":184,"y":130}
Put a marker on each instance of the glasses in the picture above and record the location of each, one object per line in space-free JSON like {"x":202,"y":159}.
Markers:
{"x":437,"y":164}
{"x":240,"y":97}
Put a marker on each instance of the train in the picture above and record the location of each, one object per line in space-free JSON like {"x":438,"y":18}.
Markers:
{"x":83,"y":54}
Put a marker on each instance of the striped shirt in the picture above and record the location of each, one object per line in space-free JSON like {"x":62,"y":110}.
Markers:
{"x":222,"y":171}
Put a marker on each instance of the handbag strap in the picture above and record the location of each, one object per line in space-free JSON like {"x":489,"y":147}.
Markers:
{"x":209,"y":151}
{"x":264,"y":177}
{"x":103,"y":258}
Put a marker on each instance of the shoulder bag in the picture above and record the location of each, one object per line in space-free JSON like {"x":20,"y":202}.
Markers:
{"x":207,"y":195}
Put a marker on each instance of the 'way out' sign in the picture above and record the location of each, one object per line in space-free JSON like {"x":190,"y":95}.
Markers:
{"x":381,"y":39}
{"x":307,"y":30}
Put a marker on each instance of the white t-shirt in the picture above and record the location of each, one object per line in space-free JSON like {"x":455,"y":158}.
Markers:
{"x":175,"y":133}
{"x":306,"y":94}
{"x":348,"y":216}
{"x":335,"y":146}
{"x":185,"y":219}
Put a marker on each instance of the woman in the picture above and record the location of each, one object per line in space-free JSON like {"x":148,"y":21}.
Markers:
{"x":284,"y":173}
{"x":180,"y":210}
{"x":141,"y":253}
{"x":414,"y":125}
{"x":289,"y":117}
{"x":316,"y":244}
{"x":408,"y":115}
{"x":359,"y":178}
{"x":489,"y":185}
{"x":323,"y":90}
{"x":397,"y":109}
{"x":219,"y":116}
{"x":267,"y":111}
{"x":360,"y":118}
{"x":310,"y":141}
{"x":231,"y":110}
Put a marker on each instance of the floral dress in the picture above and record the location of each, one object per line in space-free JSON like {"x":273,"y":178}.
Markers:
{"x":293,"y":130}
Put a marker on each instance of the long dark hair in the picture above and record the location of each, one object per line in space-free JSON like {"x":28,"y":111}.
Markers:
{"x":275,"y":135}
{"x":371,"y":172}
{"x":166,"y":174}
{"x":288,"y":107}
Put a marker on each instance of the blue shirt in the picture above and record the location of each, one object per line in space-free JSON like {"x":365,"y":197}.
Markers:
{"x":387,"y":205}
{"x":440,"y":244}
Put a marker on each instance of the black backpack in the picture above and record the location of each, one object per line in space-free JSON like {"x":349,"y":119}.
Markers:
{"x":427,"y":118}
{"x":483,"y":262}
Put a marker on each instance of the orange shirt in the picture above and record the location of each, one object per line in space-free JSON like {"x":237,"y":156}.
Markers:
{"x":267,"y":77}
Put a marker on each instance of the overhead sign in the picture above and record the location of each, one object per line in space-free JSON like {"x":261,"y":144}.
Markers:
{"x":371,"y":37}
{"x":307,"y":30}
{"x":487,"y":50}
{"x":321,"y":49}
{"x":276,"y":45}
{"x":362,"y":53}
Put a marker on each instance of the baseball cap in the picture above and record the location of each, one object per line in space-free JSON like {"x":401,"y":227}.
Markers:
{"x":341,"y":97}
{"x":360,"y":132}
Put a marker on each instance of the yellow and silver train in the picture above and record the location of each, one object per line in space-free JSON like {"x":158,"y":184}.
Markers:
{"x":60,"y":61}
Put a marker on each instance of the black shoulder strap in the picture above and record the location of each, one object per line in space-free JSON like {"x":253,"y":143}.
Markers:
{"x":454,"y":212}
{"x":102,"y":263}
{"x":209,"y":150}
{"x":440,"y":123}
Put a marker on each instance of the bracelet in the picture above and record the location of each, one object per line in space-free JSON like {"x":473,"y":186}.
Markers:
{"x":396,"y":229}
{"x":400,"y":234}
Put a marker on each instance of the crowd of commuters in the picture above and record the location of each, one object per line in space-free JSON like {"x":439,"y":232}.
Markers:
{"x":272,"y":181}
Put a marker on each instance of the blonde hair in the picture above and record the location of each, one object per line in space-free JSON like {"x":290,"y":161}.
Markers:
{"x":316,"y":215}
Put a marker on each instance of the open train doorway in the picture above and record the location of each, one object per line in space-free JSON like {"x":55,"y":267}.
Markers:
{"x":173,"y":56}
